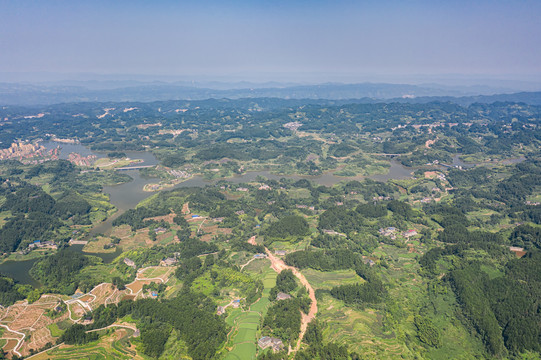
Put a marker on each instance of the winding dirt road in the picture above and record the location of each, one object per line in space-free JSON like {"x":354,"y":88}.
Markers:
{"x":278,"y":265}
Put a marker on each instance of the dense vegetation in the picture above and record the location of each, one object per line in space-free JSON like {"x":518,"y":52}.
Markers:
{"x":59,"y":272}
{"x":9,"y":291}
{"x":420,"y":264}
{"x":324,"y":260}
{"x":157,"y":319}
{"x":292,"y":226}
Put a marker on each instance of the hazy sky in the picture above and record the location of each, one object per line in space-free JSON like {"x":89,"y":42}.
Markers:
{"x":272,"y":38}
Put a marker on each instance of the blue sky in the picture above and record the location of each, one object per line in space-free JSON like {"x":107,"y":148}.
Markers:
{"x":264,"y":40}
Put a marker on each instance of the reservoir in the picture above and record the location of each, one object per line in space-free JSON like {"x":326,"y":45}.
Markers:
{"x":127,"y":195}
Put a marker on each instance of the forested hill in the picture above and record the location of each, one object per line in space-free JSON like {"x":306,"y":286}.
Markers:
{"x":530,"y":98}
{"x":26,"y":94}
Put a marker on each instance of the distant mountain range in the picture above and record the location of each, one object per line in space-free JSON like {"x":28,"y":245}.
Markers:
{"x":32,"y":94}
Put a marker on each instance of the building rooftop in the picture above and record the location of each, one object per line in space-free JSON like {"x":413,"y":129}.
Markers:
{"x":283,"y":296}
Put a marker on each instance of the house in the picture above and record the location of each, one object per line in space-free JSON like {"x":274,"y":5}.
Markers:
{"x":409,"y":233}
{"x":242,"y":189}
{"x":160,"y":230}
{"x":43,"y":244}
{"x":277,"y":344}
{"x":264,"y":342}
{"x":34,"y":244}
{"x":260,"y":256}
{"x":236,"y":303}
{"x":129,"y":262}
{"x":280,"y":252}
{"x":519,"y":252}
{"x":169,"y":262}
{"x":195,"y":216}
{"x":368,"y":261}
{"x":332,"y":232}
{"x":220,"y":310}
{"x":387,"y":231}
{"x":267,"y":341}
{"x":283,"y":296}
{"x":154,"y":294}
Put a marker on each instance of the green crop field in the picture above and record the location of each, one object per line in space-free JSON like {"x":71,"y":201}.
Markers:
{"x":244,"y":334}
{"x":55,"y":331}
{"x":243,"y":339}
{"x":327,"y":280}
{"x":242,"y":352}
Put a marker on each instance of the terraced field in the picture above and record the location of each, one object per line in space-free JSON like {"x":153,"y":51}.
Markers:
{"x":362,"y":331}
{"x":243,"y":337}
{"x":113,"y":346}
{"x":153,"y":272}
{"x":328,"y":280}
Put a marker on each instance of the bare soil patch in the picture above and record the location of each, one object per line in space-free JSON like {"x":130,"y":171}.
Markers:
{"x":39,"y":339}
{"x":166,"y":235}
{"x":122,"y":231}
{"x":77,"y":310}
{"x":431,"y":174}
{"x":86,"y":298}
{"x":97,"y":246}
{"x":166,"y":218}
{"x":137,"y":285}
{"x":101,"y":292}
{"x":186,"y":208}
{"x":10,"y":345}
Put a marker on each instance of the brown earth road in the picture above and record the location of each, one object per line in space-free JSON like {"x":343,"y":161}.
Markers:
{"x":278,"y":265}
{"x":132,"y":327}
{"x":244,"y":265}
